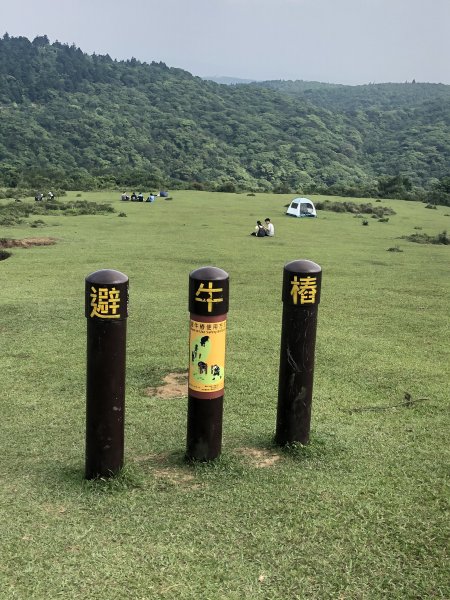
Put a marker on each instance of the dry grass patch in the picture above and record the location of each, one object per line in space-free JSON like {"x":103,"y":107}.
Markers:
{"x":176,"y":476}
{"x":162,"y":468}
{"x":260,"y":457}
{"x":27,"y":242}
{"x":175,"y":386}
{"x":54,"y":509}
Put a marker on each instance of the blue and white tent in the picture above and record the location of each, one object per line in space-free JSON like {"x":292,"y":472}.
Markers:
{"x":301,"y":207}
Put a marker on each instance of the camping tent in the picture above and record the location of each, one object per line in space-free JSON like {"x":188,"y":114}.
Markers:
{"x":301,"y":207}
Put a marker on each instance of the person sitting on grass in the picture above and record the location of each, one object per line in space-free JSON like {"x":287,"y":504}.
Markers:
{"x":259,"y":230}
{"x":269,"y":228}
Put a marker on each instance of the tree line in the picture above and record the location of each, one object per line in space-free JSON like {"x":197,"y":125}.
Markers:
{"x":77,"y":121}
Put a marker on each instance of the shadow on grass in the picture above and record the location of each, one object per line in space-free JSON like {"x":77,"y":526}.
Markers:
{"x":72,"y":479}
{"x":170,"y":470}
{"x":175,"y":468}
{"x":323,"y":447}
{"x":226,"y":465}
{"x":153,"y":376}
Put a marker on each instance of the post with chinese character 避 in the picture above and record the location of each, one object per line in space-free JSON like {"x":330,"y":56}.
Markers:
{"x":208,"y":307}
{"x":300,"y":296}
{"x":106,"y":309}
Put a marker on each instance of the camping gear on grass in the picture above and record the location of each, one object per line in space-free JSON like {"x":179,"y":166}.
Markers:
{"x":301,"y":207}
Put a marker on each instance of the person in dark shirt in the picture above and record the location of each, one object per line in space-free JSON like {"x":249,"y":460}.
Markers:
{"x":259,"y":230}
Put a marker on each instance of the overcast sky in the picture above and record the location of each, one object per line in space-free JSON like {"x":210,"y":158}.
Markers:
{"x":336,"y":41}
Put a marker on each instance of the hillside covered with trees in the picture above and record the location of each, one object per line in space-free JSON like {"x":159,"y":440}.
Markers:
{"x":77,"y":121}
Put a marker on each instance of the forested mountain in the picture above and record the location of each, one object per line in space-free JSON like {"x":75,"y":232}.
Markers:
{"x":73,"y":120}
{"x":347,"y":98}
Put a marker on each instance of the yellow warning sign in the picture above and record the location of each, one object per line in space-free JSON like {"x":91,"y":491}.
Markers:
{"x":207,"y":356}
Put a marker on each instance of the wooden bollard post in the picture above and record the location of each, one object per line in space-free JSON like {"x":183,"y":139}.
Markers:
{"x":106,"y":296}
{"x":301,"y":296}
{"x":208,"y":307}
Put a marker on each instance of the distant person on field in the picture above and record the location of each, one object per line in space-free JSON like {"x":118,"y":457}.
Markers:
{"x":140,"y":197}
{"x":259,"y":230}
{"x":51,"y":195}
{"x":270,"y":229}
{"x":133,"y":197}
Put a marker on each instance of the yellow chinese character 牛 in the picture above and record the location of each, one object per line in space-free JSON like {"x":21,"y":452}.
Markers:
{"x":209,"y":291}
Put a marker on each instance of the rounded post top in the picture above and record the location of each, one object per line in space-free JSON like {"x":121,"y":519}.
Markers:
{"x":302,"y":280}
{"x":302,"y":266}
{"x":107,"y":277}
{"x":208,"y":291}
{"x":106,"y":295}
{"x":208,"y":274}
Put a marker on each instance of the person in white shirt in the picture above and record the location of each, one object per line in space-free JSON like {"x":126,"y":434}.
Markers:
{"x":270,"y":229}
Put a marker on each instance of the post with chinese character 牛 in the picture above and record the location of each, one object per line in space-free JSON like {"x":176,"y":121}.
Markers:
{"x":208,"y":307}
{"x":106,"y":304}
{"x":301,"y":296}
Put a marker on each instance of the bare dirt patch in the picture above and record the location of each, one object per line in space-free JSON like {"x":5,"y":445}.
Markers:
{"x":27,"y":242}
{"x":175,"y":476}
{"x":160,"y":459}
{"x":175,"y":386}
{"x":54,"y":509}
{"x":171,"y":473}
{"x":260,"y":457}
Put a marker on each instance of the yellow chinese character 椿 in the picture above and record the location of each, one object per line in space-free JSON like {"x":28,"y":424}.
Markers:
{"x":304,"y":289}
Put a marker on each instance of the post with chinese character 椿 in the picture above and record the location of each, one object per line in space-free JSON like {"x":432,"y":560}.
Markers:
{"x":106,"y":309}
{"x":301,"y":296}
{"x":208,"y":307}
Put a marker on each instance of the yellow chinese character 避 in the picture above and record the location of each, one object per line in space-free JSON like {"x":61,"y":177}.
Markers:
{"x":305,"y":289}
{"x":209,"y":291}
{"x":105,"y":303}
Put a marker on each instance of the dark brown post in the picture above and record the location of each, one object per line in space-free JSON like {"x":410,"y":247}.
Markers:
{"x":106,"y":312}
{"x":301,"y":296}
{"x":208,"y":307}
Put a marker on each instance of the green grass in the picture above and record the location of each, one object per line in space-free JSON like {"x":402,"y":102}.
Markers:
{"x":360,"y":513}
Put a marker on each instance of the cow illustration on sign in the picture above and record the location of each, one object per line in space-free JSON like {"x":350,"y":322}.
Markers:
{"x":206,"y":351}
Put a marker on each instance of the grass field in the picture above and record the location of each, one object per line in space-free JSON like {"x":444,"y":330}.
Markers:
{"x":360,"y":513}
